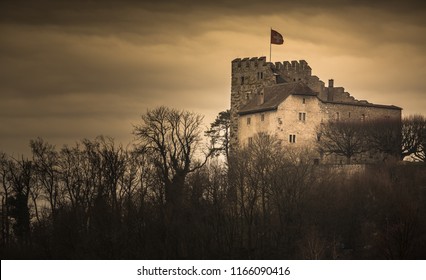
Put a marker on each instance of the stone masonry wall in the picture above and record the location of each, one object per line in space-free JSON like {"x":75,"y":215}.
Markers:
{"x":285,"y":121}
{"x":249,"y":77}
{"x":357,"y":112}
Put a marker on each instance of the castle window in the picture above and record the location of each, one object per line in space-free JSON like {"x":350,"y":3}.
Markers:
{"x":259,"y":75}
{"x":242,"y":80}
{"x":349,"y":115}
{"x":250,"y":140}
{"x":280,"y":121}
{"x":292,"y":138}
{"x":363,"y":117}
{"x":303,"y":101}
{"x":302,"y":117}
{"x":248,"y":121}
{"x":337,"y":116}
{"x":262,"y":117}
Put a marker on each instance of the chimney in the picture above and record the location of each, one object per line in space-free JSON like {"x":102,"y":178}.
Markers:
{"x":330,"y":90}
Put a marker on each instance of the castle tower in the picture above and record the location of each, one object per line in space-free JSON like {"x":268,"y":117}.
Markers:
{"x":251,"y":75}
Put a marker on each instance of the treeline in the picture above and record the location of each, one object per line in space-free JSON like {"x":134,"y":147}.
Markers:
{"x":376,"y":139}
{"x":168,"y":197}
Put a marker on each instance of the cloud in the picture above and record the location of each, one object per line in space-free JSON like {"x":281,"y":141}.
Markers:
{"x":72,"y":69}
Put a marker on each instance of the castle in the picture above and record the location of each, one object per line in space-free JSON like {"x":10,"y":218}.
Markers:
{"x":284,"y":99}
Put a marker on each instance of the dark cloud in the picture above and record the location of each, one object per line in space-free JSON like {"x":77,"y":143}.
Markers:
{"x":116,"y":14}
{"x":74,"y":69}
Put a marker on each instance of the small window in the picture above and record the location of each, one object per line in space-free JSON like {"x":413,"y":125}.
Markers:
{"x":302,"y":117}
{"x":303,"y":101}
{"x":349,"y":114}
{"x":337,"y":116}
{"x":292,"y":138}
{"x":262,"y":117}
{"x":259,"y":75}
{"x":248,"y":121}
{"x":363,"y":117}
{"x":280,"y":121}
{"x":250,"y":140}
{"x":242,"y":80}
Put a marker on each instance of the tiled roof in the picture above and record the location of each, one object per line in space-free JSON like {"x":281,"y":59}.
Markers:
{"x":275,"y":95}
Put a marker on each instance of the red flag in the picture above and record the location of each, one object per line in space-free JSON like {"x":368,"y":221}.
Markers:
{"x":276,"y":38}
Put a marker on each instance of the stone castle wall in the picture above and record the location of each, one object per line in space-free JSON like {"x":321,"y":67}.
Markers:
{"x":358,"y":111}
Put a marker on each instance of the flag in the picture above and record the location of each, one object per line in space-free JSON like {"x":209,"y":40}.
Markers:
{"x":276,"y":38}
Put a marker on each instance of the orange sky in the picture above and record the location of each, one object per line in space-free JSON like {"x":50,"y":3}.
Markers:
{"x":77,"y":69}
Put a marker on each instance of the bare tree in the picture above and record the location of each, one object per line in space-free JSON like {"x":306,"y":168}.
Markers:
{"x":21,"y":176}
{"x":72,"y":163}
{"x":46,"y":169}
{"x":263,"y":152}
{"x":172,"y":138}
{"x":342,"y":138}
{"x":5,"y":195}
{"x":421,"y":151}
{"x":113,"y":164}
{"x":420,"y":124}
{"x":384,"y":136}
{"x":413,"y":137}
{"x":247,"y":196}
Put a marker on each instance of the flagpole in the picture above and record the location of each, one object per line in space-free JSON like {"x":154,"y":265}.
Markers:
{"x":270,"y":45}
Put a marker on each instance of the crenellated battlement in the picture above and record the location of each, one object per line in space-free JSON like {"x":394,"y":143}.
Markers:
{"x":255,"y":62}
{"x":247,"y":62}
{"x":293,"y":65}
